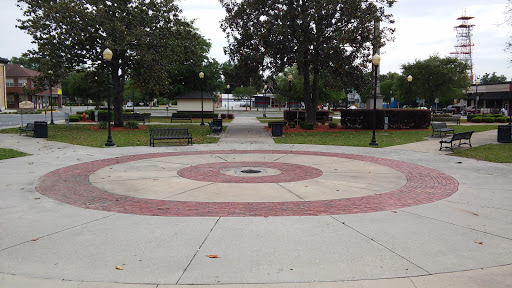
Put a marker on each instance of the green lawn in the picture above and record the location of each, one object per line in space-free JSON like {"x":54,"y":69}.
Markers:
{"x":82,"y":135}
{"x":10,"y":153}
{"x":499,"y":153}
{"x":361,"y":138}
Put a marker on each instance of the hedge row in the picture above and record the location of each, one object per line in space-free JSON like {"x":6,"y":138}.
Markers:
{"x":291,"y":115}
{"x":471,"y":117}
{"x":397,"y":118}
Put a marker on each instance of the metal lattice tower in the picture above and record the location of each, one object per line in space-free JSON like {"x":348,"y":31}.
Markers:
{"x":464,"y":46}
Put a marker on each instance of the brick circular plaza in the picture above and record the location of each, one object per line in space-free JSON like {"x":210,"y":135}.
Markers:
{"x":72,"y":185}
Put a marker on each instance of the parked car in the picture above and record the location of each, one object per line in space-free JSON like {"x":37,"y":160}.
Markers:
{"x":452,"y":109}
{"x":436,"y":109}
{"x":473,"y":110}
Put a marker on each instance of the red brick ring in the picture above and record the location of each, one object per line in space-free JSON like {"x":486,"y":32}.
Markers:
{"x":71,"y":185}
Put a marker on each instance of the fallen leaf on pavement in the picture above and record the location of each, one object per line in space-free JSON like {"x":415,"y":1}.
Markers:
{"x":119,"y":267}
{"x":212,"y":256}
{"x":479,"y":242}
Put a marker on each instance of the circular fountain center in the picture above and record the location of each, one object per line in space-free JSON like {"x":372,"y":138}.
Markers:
{"x":251,"y":171}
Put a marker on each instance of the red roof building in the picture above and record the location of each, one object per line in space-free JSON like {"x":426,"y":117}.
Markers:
{"x":19,"y":87}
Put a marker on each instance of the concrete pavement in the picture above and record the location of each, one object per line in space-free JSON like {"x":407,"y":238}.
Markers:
{"x":69,"y":215}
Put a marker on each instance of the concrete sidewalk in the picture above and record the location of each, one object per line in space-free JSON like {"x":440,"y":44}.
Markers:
{"x":70,"y":214}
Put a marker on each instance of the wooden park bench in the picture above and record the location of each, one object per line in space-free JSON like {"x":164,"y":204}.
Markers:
{"x":28,"y":128}
{"x":457,"y":137}
{"x":441,"y":128}
{"x":169,"y":134}
{"x":134,"y":117}
{"x":179,"y":116}
{"x":215,"y":126}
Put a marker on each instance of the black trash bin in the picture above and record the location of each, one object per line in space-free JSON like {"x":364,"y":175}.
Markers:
{"x":40,"y":129}
{"x":277,"y":129}
{"x":504,"y":133}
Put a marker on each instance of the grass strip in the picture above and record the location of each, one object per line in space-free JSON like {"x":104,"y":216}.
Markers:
{"x":84,"y":136}
{"x":6,"y":153}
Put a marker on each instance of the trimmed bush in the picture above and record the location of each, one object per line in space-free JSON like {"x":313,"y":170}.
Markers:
{"x":333,"y":125}
{"x":223,"y":115}
{"x":476,"y":120}
{"x":231,"y":116}
{"x":131,"y":125}
{"x":397,"y":118}
{"x":102,"y":125}
{"x":488,"y":119}
{"x":74,"y":118}
{"x":291,"y":124}
{"x":501,"y":119}
{"x":307,"y":125}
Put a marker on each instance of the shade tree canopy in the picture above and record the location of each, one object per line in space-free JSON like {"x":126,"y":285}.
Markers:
{"x":150,"y":41}
{"x":322,"y":38}
{"x":434,"y":77}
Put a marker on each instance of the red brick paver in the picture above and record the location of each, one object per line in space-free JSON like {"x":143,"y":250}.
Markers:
{"x":71,"y":185}
{"x":211,"y":172}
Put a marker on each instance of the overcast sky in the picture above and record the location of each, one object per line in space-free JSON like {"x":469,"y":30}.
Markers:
{"x":423,"y":28}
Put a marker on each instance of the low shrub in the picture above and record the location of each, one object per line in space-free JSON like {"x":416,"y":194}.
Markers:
{"x":291,"y":124}
{"x":333,"y":125}
{"x":102,"y":125}
{"x":501,"y":119}
{"x":488,"y":119}
{"x":131,"y":125}
{"x":307,"y":125}
{"x":223,"y":115}
{"x":74,"y":118}
{"x":231,"y":116}
{"x":476,"y":120}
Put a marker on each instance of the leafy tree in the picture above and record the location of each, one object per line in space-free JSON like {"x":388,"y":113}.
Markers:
{"x":148,"y":38}
{"x":435,"y":77}
{"x":244,"y":93}
{"x":86,"y":85}
{"x":28,"y":63}
{"x":328,"y":37}
{"x":492,"y":78}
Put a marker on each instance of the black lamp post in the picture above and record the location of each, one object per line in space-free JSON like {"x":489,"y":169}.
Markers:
{"x":228,"y":98}
{"x":265,"y":101}
{"x":107,"y":55}
{"x":409,"y":80}
{"x":51,"y":97}
{"x":477,"y":82}
{"x":201,"y":75}
{"x":376,"y":62}
{"x":290,"y":78}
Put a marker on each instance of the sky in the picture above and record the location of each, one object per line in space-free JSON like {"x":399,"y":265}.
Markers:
{"x":423,"y":28}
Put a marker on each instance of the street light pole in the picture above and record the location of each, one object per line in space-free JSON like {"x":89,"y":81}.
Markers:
{"x":477,"y":82}
{"x":228,"y":99}
{"x":265,"y":101}
{"x":201,"y":76}
{"x":290,"y":78}
{"x":376,"y":62}
{"x":107,"y":55}
{"x":409,"y":80}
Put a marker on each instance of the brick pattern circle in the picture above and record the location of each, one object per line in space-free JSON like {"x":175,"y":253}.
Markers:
{"x":211,"y":172}
{"x":71,"y":185}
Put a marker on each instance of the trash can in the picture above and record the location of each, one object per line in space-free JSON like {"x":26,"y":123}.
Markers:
{"x":277,"y":129}
{"x":40,"y":129}
{"x":504,"y":133}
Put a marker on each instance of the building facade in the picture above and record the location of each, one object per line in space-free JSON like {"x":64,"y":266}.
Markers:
{"x":491,"y":97}
{"x":19,"y":87}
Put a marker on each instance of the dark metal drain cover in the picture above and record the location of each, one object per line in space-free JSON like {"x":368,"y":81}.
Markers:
{"x":250,"y":171}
